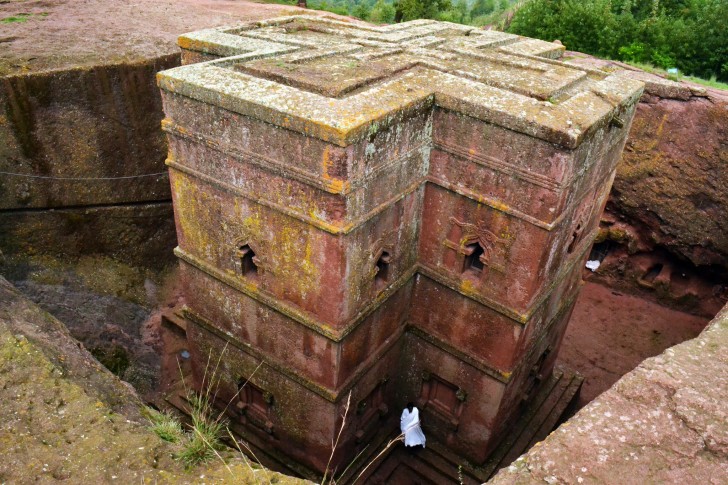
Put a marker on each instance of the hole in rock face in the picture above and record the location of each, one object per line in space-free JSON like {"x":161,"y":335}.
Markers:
{"x":574,"y":239}
{"x":472,"y":259}
{"x":248,"y":266}
{"x":652,"y":273}
{"x":600,"y":251}
{"x":382,"y":275}
{"x":114,"y":358}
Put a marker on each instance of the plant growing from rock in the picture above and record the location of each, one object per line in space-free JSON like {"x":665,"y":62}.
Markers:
{"x":203,"y":440}
{"x":165,"y":425}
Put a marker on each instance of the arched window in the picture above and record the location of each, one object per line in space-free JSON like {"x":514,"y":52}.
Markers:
{"x":248,"y":266}
{"x":382,"y":271}
{"x":473,"y":261}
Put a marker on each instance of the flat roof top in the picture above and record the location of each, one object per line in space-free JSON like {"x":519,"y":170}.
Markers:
{"x":337,"y":81}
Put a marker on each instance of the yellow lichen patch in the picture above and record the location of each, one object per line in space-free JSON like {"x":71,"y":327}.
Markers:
{"x":467,"y":287}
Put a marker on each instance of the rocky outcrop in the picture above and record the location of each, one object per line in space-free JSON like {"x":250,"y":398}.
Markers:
{"x":66,"y":418}
{"x":673,"y":177}
{"x":664,"y":422}
{"x":665,"y":230}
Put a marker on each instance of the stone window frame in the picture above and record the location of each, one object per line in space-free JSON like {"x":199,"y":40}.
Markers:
{"x":255,"y":405}
{"x":494,"y":250}
{"x":260,"y":261}
{"x":440,"y":410}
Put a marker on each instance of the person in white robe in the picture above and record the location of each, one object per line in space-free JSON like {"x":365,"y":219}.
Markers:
{"x":410,"y":426}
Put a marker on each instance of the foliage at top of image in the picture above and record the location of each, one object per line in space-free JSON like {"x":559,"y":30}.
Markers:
{"x":472,"y":12}
{"x":691,"y":35}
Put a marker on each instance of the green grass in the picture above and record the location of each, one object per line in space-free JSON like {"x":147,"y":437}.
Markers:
{"x":201,"y":442}
{"x":165,"y":425}
{"x":17,"y":18}
{"x":22,"y":17}
{"x":205,"y":437}
{"x":713,"y":83}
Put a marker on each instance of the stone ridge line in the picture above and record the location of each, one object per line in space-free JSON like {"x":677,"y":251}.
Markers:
{"x":338,"y":82}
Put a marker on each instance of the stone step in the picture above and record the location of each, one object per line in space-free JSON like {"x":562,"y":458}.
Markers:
{"x":543,"y":414}
{"x":173,"y":319}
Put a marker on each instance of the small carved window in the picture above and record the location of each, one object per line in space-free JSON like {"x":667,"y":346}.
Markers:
{"x":575,"y":237}
{"x":254,"y":404}
{"x":248,"y":261}
{"x":473,"y":257}
{"x":382,"y":270}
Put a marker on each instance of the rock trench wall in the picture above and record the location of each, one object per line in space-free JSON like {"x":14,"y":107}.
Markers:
{"x":664,"y":233}
{"x":664,"y":422}
{"x":89,"y":156}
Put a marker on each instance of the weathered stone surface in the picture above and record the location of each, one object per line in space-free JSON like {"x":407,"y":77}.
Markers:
{"x":66,"y":418}
{"x":79,"y":119}
{"x":82,"y":137}
{"x":139,"y":235}
{"x":400,"y":213}
{"x":664,"y":422}
{"x":673,"y":177}
{"x":671,"y":182}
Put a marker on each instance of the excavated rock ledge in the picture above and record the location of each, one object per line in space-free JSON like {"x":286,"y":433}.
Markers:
{"x":664,"y":422}
{"x":66,"y":418}
{"x":79,"y":123}
{"x":671,"y":182}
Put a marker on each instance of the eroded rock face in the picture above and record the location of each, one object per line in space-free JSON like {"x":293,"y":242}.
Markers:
{"x":666,"y":223}
{"x":66,"y":418}
{"x":664,"y":234}
{"x":664,"y":422}
{"x":673,"y":177}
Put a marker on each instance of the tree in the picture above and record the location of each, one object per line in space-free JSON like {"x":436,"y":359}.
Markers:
{"x":482,"y":7}
{"x":361,"y":11}
{"x":688,"y":34}
{"x":382,"y":13}
{"x":420,"y":9}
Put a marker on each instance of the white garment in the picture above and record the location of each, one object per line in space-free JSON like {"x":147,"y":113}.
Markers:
{"x":410,"y":426}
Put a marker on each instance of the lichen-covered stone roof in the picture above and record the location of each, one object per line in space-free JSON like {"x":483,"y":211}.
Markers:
{"x":336,"y":81}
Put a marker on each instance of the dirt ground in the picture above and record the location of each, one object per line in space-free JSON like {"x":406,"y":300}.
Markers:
{"x":610,"y":333}
{"x":41,"y":35}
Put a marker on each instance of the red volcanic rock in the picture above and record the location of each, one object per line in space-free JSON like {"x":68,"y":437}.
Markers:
{"x":672,"y":181}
